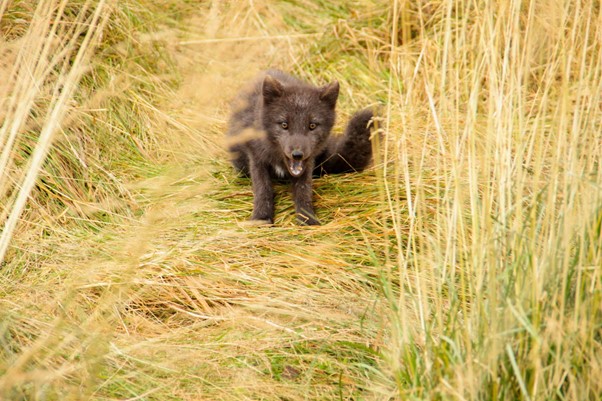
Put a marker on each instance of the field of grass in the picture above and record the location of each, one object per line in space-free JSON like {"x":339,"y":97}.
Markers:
{"x":465,"y":264}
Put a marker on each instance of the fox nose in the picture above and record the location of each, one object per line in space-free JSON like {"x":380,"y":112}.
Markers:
{"x":297,"y":154}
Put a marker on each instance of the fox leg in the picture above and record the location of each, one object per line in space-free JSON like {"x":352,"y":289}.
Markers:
{"x":351,"y":151}
{"x":263,"y":193}
{"x":302,"y":197}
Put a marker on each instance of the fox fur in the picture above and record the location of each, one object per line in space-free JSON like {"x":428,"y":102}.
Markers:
{"x":280,"y":128}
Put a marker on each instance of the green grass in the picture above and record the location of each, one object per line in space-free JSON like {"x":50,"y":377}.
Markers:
{"x":465,"y":264}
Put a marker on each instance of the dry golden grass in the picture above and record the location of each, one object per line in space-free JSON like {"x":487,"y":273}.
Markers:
{"x":466,"y":264}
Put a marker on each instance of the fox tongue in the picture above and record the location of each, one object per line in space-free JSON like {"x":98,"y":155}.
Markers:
{"x":295,"y":167}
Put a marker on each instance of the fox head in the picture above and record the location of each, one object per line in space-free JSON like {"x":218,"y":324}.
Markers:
{"x":298,"y":119}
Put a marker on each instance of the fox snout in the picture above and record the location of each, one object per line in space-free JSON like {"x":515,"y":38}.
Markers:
{"x":296,"y":148}
{"x":296,"y":152}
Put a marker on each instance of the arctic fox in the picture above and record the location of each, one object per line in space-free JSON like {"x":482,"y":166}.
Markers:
{"x":281,"y":129}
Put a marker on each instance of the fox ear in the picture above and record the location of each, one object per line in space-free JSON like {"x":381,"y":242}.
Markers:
{"x":271,"y":88}
{"x":330,"y":93}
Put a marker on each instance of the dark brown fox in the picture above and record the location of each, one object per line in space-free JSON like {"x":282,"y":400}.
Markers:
{"x":281,"y":129}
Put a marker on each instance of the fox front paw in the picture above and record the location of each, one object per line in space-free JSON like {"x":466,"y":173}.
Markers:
{"x":259,"y":219}
{"x":307,"y":220}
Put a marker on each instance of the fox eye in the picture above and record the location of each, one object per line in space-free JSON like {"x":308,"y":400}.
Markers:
{"x":284,"y":125}
{"x":312,"y":126}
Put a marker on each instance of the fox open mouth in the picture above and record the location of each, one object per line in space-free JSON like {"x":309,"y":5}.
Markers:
{"x":295,"y":167}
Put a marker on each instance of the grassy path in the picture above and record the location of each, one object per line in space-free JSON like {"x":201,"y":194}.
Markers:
{"x":206,"y":306}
